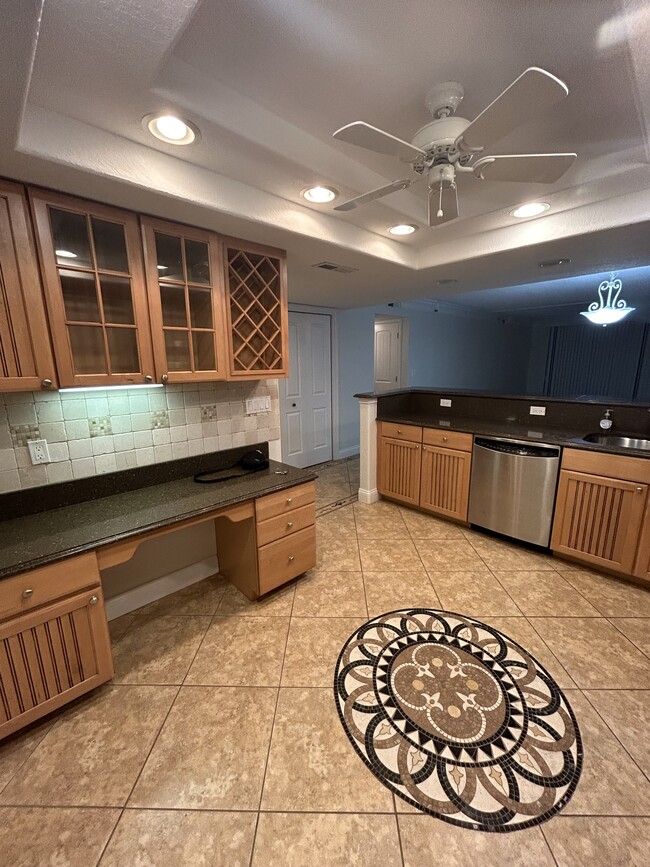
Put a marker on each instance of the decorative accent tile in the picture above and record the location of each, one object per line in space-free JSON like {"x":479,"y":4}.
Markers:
{"x":208,"y":412}
{"x":159,"y":419}
{"x":100,"y":427}
{"x":21,"y":434}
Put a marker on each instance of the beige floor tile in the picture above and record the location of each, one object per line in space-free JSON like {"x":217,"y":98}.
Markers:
{"x":211,"y":751}
{"x":330,"y":594}
{"x":627,"y":713}
{"x":594,"y":653}
{"x":610,"y":784}
{"x":399,"y":555}
{"x":180,"y":838}
{"x":381,"y":507}
{"x":119,"y":626}
{"x":603,"y":842}
{"x":521,"y":631}
{"x":452,"y":556}
{"x":312,"y":766}
{"x":613,"y":597}
{"x":380,"y":526}
{"x":298,"y":839}
{"x":158,"y":650}
{"x":276,"y":604}
{"x":338,"y":554}
{"x":338,"y":523}
{"x":637,"y":629}
{"x":425,"y":839}
{"x":389,"y":591}
{"x":200,"y":598}
{"x":313,"y":649}
{"x":53,"y":837}
{"x":93,"y":755}
{"x":506,"y":556}
{"x":422,"y":526}
{"x":476,"y":593}
{"x":15,"y":751}
{"x":241,"y":651}
{"x":545,"y":594}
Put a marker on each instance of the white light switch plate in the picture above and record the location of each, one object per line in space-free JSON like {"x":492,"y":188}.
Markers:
{"x":538,"y":410}
{"x":38,"y":451}
{"x":445,"y":401}
{"x":258,"y":404}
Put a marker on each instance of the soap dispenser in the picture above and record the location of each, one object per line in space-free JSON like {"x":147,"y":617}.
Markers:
{"x":606,"y":421}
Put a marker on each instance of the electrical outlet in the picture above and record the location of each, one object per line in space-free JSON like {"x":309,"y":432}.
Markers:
{"x":258,"y":404}
{"x":444,"y":401}
{"x":538,"y":410}
{"x":38,"y":451}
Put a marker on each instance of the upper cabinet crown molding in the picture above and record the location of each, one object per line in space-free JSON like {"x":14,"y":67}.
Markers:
{"x":26,"y":361}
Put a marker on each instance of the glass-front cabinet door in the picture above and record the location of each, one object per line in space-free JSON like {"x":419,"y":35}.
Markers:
{"x":257,"y":307}
{"x":186,"y":300}
{"x":91,"y":258}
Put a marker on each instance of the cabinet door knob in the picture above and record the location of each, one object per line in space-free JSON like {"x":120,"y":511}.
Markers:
{"x":27,"y":593}
{"x":93,"y":600}
{"x":148,"y":378}
{"x":424,"y":448}
{"x":291,"y":559}
{"x":289,"y":501}
{"x":164,"y":379}
{"x":46,"y":383}
{"x":444,"y":439}
{"x":289,"y":525}
{"x":399,"y":431}
{"x":639,"y":490}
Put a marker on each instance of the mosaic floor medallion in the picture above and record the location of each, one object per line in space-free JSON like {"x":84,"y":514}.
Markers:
{"x":458,"y":719}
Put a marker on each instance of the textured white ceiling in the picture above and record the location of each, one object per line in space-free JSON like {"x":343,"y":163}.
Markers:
{"x":267,"y":82}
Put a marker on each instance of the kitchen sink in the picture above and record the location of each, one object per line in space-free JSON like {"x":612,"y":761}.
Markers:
{"x":619,"y":442}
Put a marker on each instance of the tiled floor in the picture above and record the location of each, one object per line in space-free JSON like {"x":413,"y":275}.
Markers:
{"x":218,"y":743}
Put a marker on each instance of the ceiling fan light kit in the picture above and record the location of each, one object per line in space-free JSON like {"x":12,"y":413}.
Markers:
{"x":450,"y":144}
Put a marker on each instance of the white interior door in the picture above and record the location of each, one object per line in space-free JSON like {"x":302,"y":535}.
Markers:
{"x":388,"y":354}
{"x":306,"y":396}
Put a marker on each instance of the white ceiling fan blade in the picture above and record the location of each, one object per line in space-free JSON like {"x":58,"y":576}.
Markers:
{"x":536,"y":168}
{"x":379,"y":193}
{"x":373,"y":139}
{"x":448,"y":205}
{"x":528,"y":96}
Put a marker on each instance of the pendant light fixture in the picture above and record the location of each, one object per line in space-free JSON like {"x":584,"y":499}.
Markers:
{"x":609,"y":308}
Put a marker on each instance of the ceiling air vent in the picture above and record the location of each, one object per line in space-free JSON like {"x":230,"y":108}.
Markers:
{"x":332,"y":266}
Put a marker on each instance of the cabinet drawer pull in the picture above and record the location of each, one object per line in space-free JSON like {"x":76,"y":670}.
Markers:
{"x":399,"y":431}
{"x":444,"y":439}
{"x":46,"y":383}
{"x":291,"y":558}
{"x":94,"y":600}
{"x":289,"y":525}
{"x":27,"y":593}
{"x":289,"y":501}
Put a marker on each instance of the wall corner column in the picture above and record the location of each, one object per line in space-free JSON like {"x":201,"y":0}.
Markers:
{"x":368,"y":492}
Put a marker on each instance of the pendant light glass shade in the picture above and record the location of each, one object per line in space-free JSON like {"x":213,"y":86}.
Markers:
{"x":609,"y":308}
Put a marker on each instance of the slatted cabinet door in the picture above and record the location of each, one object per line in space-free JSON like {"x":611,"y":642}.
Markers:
{"x":50,"y":656}
{"x":399,"y":470}
{"x":444,"y":486}
{"x":598,"y":519}
{"x":26,"y":361}
{"x":642,"y":564}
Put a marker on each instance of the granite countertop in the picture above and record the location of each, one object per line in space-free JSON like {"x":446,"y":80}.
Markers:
{"x":513,"y":430}
{"x":42,"y":537}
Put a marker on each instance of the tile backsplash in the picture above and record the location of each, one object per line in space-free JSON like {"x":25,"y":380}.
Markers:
{"x":100,"y":431}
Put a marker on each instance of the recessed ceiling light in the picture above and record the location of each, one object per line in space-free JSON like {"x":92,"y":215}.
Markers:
{"x":65,"y":254}
{"x":319,"y":195}
{"x":531,"y":209}
{"x":552,"y":263}
{"x":171,"y":129}
{"x":403,"y":229}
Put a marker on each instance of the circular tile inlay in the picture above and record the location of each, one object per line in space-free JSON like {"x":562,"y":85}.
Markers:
{"x":458,"y":719}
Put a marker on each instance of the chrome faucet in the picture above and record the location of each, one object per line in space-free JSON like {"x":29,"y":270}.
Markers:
{"x":607,"y":421}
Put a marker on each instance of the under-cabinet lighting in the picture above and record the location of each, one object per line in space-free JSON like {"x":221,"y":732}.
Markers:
{"x":161,"y":267}
{"x":65,"y":254}
{"x":112,"y":387}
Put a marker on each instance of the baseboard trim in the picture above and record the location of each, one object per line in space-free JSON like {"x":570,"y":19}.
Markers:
{"x":143,"y":594}
{"x":347,"y":453}
{"x":368,"y":496}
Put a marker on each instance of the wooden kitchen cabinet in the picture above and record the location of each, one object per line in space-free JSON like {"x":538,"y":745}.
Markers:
{"x":399,"y":464}
{"x":53,"y":652}
{"x":91,"y":262}
{"x":444,"y":486}
{"x":598,"y":518}
{"x":26,"y":360}
{"x":186,"y":302}
{"x":256,"y":301}
{"x":642,"y":563}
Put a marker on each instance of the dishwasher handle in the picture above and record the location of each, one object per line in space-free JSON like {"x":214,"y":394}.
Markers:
{"x":518,"y":447}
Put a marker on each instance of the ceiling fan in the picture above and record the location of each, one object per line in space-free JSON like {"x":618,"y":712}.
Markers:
{"x":450,"y":144}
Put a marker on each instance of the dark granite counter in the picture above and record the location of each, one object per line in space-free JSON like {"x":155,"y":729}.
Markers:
{"x":72,"y":526}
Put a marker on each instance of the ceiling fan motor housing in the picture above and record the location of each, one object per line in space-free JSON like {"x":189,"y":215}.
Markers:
{"x":439,"y":136}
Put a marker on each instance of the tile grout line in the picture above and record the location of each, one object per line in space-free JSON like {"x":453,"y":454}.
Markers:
{"x":363,"y":579}
{"x":27,"y":758}
{"x":399,"y":833}
{"x":550,"y":849}
{"x":640,"y":649}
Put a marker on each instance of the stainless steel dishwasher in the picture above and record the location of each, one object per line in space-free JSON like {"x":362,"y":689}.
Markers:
{"x":512,"y":489}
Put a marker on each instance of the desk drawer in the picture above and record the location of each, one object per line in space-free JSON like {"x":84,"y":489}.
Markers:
{"x":410,"y":432}
{"x":285,"y":559}
{"x":283,"y":525}
{"x":284,"y":501}
{"x":27,"y":591}
{"x":448,"y":439}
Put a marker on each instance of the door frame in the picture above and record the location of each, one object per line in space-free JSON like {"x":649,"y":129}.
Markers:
{"x":334,"y":372}
{"x":404,"y":345}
